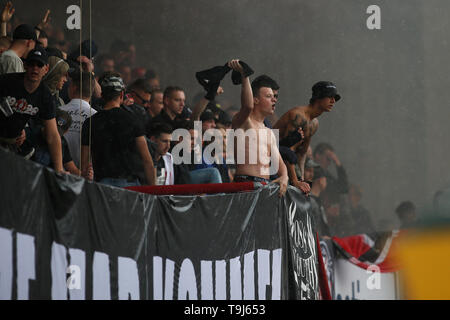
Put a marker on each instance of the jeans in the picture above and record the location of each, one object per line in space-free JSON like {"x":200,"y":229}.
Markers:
{"x":120,"y":183}
{"x":206,"y":175}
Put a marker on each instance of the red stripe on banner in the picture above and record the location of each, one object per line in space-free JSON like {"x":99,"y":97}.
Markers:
{"x":355,"y":246}
{"x":187,"y":189}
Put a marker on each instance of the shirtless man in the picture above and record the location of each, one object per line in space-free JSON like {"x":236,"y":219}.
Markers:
{"x":303,"y":120}
{"x":255,"y":106}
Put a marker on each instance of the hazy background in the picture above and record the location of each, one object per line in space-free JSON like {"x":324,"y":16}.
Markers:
{"x":390,"y":129}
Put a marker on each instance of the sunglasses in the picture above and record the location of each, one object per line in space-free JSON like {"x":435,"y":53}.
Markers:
{"x":142,"y":99}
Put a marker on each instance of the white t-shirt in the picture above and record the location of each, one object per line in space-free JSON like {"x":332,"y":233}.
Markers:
{"x":168,"y":163}
{"x":10,"y":62}
{"x":73,"y":134}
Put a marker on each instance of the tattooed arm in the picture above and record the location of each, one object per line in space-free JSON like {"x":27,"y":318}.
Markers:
{"x":301,"y":150}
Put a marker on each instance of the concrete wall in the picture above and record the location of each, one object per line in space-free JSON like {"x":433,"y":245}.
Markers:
{"x":390,"y":129}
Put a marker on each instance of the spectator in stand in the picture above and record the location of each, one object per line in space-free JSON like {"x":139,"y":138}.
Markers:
{"x":119,"y":50}
{"x":81,"y":87}
{"x":268,"y":81}
{"x":104,"y":63}
{"x":115,"y":135}
{"x":156,"y":102}
{"x":88,"y":49}
{"x":141,"y":94}
{"x":337,"y":187}
{"x":125,"y":72}
{"x":208,"y":120}
{"x":152,"y":79}
{"x":43,"y":39}
{"x":188,"y":171}
{"x":406,"y":212}
{"x":24,"y":40}
{"x":362,"y":222}
{"x":315,"y":175}
{"x":24,"y":96}
{"x":223,"y":121}
{"x":159,"y":149}
{"x":56,"y":77}
{"x":138,"y":73}
{"x":174,"y":100}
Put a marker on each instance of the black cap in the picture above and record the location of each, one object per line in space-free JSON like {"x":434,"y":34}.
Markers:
{"x":38,"y":54}
{"x":323,"y":89}
{"x":25,"y":32}
{"x":207,"y":115}
{"x":224,"y":118}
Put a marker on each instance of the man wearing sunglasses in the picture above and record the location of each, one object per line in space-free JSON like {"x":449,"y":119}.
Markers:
{"x":140,"y":92}
{"x":23,"y":96}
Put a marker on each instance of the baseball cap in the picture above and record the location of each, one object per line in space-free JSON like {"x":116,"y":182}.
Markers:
{"x":324,"y":89}
{"x":25,"y":32}
{"x":224,"y":118}
{"x":207,"y":115}
{"x":38,"y":54}
{"x":113,"y":83}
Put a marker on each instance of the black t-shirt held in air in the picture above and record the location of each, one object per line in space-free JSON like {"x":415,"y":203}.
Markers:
{"x":113,"y":141}
{"x":24,"y":104}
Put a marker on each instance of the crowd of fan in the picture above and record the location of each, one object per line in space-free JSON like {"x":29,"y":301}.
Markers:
{"x":112,"y":122}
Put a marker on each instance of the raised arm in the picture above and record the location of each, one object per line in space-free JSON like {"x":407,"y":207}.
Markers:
{"x":201,"y":105}
{"x":149,"y":168}
{"x":7,"y":14}
{"x":43,"y":24}
{"x":246,"y":95}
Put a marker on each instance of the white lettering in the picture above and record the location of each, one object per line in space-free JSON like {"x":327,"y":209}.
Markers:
{"x":128,"y":279}
{"x":73,"y":22}
{"x":58,"y":268}
{"x":25,"y":265}
{"x":6,"y":264}
{"x":235,"y":279}
{"x":206,"y":280}
{"x":221,"y":280}
{"x":77,"y":270}
{"x":374,"y":20}
{"x":187,"y":286}
{"x":101,"y":277}
{"x":263,"y":273}
{"x":249,"y":279}
{"x":276,"y":274}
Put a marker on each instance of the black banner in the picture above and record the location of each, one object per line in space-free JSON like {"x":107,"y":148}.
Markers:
{"x":62,"y":237}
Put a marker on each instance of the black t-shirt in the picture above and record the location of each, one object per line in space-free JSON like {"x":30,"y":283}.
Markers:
{"x":24,"y":104}
{"x":113,"y":143}
{"x":140,"y":113}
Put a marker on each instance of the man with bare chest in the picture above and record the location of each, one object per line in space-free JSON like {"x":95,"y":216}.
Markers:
{"x":259,"y":157}
{"x":298,"y":125}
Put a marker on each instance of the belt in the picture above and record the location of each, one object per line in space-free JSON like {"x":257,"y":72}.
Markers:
{"x":243,"y":177}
